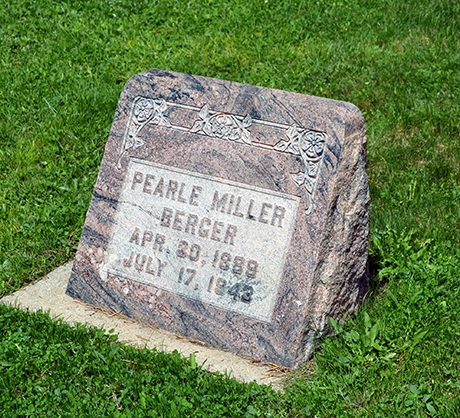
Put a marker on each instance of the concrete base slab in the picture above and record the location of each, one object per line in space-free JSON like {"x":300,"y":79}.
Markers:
{"x":48,"y":294}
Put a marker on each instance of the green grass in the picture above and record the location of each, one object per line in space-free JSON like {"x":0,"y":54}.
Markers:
{"x":51,"y":369}
{"x":62,"y":68}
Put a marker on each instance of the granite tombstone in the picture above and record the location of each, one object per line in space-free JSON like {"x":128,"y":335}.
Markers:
{"x":233,"y":214}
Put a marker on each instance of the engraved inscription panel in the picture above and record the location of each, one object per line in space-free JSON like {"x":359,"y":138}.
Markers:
{"x":209,"y":239}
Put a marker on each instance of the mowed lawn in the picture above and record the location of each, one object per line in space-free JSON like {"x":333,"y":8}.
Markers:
{"x":62,"y":68}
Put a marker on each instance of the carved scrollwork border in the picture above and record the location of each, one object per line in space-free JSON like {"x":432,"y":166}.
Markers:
{"x":305,"y":143}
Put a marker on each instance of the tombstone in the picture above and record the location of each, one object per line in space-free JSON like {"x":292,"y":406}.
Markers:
{"x":228,"y":213}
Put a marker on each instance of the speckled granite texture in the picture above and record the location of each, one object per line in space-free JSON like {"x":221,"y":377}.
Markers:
{"x":229,"y":213}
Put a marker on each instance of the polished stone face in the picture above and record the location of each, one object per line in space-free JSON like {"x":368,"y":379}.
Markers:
{"x":233,"y":214}
{"x":209,"y":239}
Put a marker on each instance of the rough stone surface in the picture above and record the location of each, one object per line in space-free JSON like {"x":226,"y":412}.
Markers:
{"x":234,"y":214}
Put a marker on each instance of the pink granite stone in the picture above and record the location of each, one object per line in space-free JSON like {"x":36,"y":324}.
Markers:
{"x":233,"y":214}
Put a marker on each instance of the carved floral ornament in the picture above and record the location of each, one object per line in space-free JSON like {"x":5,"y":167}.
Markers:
{"x":307,"y":144}
{"x":310,"y":146}
{"x":222,"y":125}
